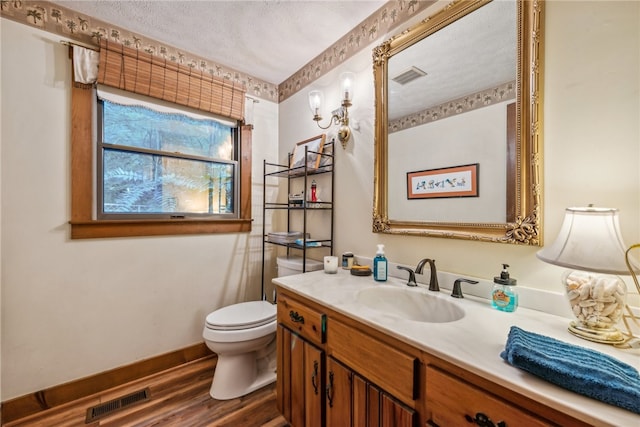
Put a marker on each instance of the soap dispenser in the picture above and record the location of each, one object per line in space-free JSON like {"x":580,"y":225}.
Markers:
{"x":380,"y":265}
{"x":503,"y":295}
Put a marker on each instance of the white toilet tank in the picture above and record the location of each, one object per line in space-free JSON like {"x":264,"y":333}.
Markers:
{"x":293,"y":265}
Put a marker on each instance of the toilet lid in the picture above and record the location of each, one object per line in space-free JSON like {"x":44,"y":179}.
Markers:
{"x":242,"y":316}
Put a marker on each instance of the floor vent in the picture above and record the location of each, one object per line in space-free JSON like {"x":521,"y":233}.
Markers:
{"x":108,"y":408}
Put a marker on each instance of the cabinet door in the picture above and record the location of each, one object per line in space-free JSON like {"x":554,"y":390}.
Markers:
{"x":395,"y":414}
{"x":300,"y":380}
{"x":339,"y":403}
{"x":353,"y":401}
{"x":373,"y":407}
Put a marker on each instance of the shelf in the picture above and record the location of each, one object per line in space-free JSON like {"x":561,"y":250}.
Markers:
{"x":324,"y":244}
{"x":283,"y":171}
{"x":310,"y":206}
{"x":294,"y":177}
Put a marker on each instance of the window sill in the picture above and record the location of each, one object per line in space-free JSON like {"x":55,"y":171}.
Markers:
{"x":137,"y":228}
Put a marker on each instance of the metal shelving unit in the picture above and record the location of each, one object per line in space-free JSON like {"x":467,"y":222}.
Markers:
{"x":303,"y":173}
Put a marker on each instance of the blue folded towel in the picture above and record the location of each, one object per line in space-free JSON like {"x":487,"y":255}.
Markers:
{"x":575,"y":368}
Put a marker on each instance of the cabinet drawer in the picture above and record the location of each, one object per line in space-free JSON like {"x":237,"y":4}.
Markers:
{"x":305,"y":321}
{"x":387,"y":367}
{"x":451,"y":401}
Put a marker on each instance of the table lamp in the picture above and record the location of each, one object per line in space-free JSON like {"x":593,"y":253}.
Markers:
{"x":591,"y":245}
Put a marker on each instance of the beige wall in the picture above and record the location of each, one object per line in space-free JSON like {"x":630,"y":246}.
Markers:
{"x":591,"y":143}
{"x":75,"y":308}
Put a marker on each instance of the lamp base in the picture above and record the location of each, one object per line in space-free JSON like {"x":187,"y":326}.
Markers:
{"x":602,"y":336}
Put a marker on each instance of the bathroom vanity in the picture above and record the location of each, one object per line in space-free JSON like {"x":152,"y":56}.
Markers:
{"x":345,"y":357}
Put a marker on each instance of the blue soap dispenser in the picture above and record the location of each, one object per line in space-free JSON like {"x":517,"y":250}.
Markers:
{"x":380,"y":265}
{"x":503,"y":295}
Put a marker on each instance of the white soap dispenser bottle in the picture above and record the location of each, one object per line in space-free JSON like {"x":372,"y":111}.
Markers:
{"x":380,"y":265}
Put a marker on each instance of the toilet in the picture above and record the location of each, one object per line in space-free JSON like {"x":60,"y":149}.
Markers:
{"x":243,"y":336}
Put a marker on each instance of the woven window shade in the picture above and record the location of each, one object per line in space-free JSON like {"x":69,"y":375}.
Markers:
{"x":145,"y":74}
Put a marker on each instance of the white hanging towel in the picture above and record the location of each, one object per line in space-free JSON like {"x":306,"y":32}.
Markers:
{"x":85,"y":65}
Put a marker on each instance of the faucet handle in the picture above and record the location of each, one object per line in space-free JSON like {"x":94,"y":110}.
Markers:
{"x":412,"y":275}
{"x":457,"y":289}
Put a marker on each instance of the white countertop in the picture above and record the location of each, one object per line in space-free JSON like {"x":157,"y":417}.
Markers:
{"x":473,"y":342}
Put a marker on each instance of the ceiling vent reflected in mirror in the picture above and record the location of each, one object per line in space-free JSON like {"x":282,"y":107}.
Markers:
{"x":408,"y":75}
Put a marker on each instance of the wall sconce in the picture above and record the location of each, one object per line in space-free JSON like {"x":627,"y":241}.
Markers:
{"x":590,"y":241}
{"x":339,"y":116}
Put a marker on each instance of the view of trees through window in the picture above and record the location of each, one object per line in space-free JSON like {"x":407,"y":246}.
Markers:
{"x":157,"y":163}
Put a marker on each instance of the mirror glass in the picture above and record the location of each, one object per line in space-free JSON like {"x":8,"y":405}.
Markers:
{"x":458,"y":126}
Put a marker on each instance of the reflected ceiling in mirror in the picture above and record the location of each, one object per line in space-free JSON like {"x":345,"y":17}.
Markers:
{"x":481,"y":54}
{"x":475,"y":98}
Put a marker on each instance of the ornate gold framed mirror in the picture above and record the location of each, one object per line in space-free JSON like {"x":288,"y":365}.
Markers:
{"x":463,"y":87}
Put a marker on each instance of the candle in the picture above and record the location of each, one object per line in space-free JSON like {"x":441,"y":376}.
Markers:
{"x":331,"y":264}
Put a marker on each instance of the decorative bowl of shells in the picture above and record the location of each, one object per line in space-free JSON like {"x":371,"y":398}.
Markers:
{"x":597,"y":301}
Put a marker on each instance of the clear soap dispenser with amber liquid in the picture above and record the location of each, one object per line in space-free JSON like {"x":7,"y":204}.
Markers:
{"x":503,"y":295}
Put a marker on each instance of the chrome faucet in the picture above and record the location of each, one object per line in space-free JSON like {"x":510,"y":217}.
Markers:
{"x":412,"y":276}
{"x":433,"y":280}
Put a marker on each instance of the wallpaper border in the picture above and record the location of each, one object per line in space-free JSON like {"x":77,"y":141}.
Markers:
{"x":87,"y":30}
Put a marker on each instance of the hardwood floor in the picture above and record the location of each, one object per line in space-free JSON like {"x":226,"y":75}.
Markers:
{"x":177,"y":397}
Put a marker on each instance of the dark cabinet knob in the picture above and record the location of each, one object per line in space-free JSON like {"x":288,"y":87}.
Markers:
{"x":296,"y":317}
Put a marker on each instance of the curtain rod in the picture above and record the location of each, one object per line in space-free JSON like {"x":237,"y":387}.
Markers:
{"x":86,"y":46}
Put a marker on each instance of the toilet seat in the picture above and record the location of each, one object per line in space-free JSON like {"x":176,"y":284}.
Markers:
{"x":242,"y":316}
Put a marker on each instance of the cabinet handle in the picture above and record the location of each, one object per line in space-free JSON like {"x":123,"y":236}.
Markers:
{"x":295,"y":317}
{"x":484,"y":421}
{"x":330,"y":390}
{"x":314,"y":377}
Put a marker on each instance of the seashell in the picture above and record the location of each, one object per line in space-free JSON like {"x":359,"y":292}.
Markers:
{"x":587,"y":303}
{"x":571,"y":285}
{"x":573,"y":294}
{"x":619,"y":299}
{"x":608,"y":299}
{"x":611,"y":286}
{"x":584,"y":291}
{"x":605,"y":321}
{"x":578,"y":277}
{"x":597,"y":290}
{"x":592,"y":320}
{"x":616,"y":313}
{"x":577,"y":309}
{"x":608,"y":309}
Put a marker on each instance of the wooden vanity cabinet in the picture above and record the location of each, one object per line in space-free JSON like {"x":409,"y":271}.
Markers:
{"x":336,"y":371}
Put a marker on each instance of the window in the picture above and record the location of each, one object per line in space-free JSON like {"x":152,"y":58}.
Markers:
{"x":164,"y":164}
{"x":176,"y":204}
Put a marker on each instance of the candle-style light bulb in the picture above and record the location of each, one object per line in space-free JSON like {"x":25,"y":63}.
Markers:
{"x":315,"y":102}
{"x":346,"y":86}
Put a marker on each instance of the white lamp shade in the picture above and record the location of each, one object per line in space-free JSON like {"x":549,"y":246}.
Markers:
{"x":316,"y":99}
{"x":347,"y":80}
{"x":590,"y":240}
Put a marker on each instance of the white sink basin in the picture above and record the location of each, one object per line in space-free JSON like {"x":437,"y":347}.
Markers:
{"x":410,"y":304}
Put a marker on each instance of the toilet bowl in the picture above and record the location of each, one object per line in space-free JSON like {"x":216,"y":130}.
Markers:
{"x":244,"y":338}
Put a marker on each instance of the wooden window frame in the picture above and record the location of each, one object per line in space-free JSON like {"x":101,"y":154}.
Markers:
{"x":85,"y":226}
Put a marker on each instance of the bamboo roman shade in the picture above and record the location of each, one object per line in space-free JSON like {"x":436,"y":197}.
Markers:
{"x":145,"y":74}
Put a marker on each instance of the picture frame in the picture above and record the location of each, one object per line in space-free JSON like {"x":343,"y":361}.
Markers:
{"x":313,"y":147}
{"x":449,"y":182}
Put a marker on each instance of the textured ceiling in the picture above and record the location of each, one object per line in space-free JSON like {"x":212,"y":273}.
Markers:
{"x":267,"y":39}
